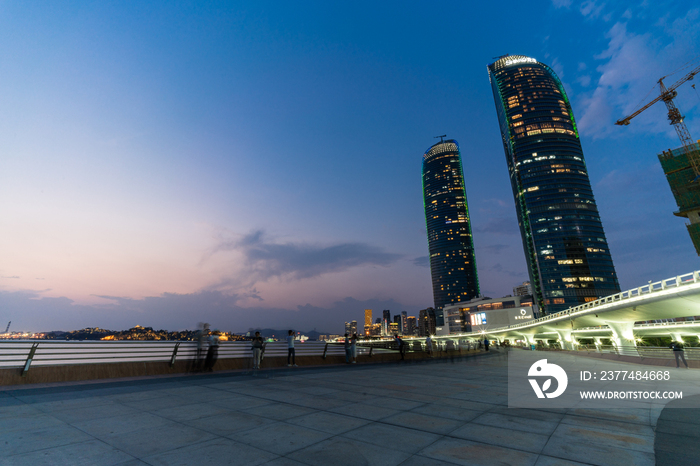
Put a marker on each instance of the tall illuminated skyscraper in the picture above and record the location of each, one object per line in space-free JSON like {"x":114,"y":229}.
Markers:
{"x":452,"y":263}
{"x":368,"y":321}
{"x":565,"y":246}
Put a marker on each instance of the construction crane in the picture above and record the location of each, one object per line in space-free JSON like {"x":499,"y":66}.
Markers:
{"x":674,"y":116}
{"x":7,"y":329}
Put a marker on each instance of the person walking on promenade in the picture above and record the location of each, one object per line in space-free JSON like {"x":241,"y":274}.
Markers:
{"x":291,"y":354}
{"x":429,"y":346}
{"x":486,"y":344}
{"x":353,"y":348}
{"x":213,"y":353}
{"x":677,"y":348}
{"x":257,"y":346}
{"x":348,"y":349}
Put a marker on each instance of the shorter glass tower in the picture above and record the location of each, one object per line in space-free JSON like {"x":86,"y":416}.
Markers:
{"x":452,"y":263}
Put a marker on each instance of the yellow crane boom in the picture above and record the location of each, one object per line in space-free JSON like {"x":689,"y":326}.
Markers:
{"x":674,"y":116}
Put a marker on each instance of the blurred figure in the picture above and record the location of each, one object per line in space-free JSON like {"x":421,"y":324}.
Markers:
{"x":429,"y":345}
{"x":677,"y":348}
{"x":486,"y":344}
{"x":348,"y":349}
{"x":353,"y":348}
{"x":257,"y":346}
{"x":291,"y":353}
{"x":200,"y":338}
{"x":400,"y":344}
{"x":213,"y":353}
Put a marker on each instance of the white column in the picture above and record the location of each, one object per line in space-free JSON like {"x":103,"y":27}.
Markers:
{"x":623,"y":336}
{"x":566,"y":339}
{"x":529,"y":339}
{"x":676,"y":337}
{"x":598,"y":343}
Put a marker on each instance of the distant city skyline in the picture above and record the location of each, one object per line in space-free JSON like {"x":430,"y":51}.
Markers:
{"x":257,"y":164}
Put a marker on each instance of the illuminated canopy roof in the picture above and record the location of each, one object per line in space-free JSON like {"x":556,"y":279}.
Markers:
{"x":510,"y":60}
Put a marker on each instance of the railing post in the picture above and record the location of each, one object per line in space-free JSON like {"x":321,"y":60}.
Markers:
{"x":172,"y":358}
{"x":325,"y":351}
{"x":29,"y":359}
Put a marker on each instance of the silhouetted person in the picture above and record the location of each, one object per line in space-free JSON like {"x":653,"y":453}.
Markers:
{"x":353,"y":348}
{"x":291,"y":354}
{"x":401,"y":345}
{"x":678,"y":352}
{"x":200,"y":338}
{"x":486,"y":344}
{"x":213,"y":353}
{"x":257,"y":346}
{"x":348,"y":349}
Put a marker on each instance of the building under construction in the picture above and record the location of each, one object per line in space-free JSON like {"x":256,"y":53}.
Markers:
{"x":685,"y":187}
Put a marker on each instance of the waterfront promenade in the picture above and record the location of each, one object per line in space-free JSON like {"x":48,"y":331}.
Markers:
{"x":411,"y":413}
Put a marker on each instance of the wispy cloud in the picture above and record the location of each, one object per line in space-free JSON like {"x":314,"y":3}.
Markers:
{"x":264,"y":258}
{"x":591,"y":9}
{"x":499,"y":226}
{"x":629,"y":68}
{"x":13,"y":276}
{"x":502,"y":270}
{"x":422,"y":261}
{"x":495,"y":248}
{"x":561,"y":3}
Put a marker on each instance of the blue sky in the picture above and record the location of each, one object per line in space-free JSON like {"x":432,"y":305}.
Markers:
{"x":258,"y":163}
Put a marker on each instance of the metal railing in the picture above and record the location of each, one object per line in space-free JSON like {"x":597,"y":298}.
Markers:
{"x":673,"y":282}
{"x":25,"y":354}
{"x":657,"y":352}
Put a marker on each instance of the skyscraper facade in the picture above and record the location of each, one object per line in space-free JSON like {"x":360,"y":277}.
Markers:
{"x":386,"y":320}
{"x":450,"y":244}
{"x":426,"y":322}
{"x":567,"y":254}
{"x":351,"y":327}
{"x":368,"y":321}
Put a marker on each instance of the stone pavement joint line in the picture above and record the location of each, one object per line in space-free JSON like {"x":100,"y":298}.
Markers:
{"x":433,"y":413}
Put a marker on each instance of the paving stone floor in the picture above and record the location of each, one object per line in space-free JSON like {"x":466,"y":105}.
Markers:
{"x":429,"y":413}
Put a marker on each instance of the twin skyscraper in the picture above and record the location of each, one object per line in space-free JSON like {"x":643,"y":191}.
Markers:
{"x":567,"y":254}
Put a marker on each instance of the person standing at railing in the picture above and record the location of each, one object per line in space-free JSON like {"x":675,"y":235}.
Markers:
{"x":348,"y":348}
{"x":201,"y":338}
{"x":486,"y":344}
{"x":353,"y":348}
{"x":429,"y":345}
{"x":400,"y":345}
{"x":257,"y":347}
{"x":291,"y":354}
{"x":678,"y":352}
{"x":213,"y":353}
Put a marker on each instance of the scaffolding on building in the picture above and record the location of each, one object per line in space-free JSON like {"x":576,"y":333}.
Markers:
{"x":680,"y":173}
